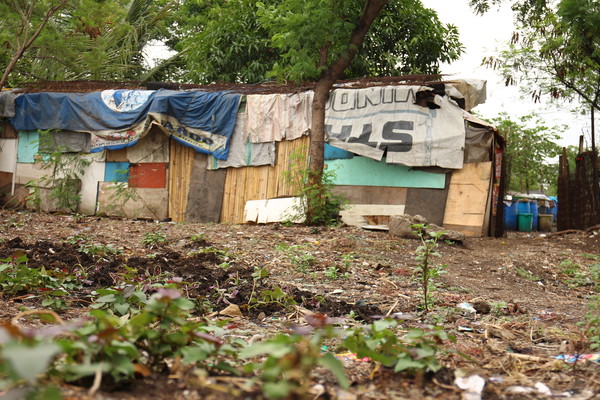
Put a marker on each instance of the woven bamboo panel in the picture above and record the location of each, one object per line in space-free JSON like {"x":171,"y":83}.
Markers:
{"x":259,"y":183}
{"x":180,"y":171}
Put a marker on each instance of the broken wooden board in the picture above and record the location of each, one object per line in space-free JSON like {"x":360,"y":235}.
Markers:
{"x":357,"y":214}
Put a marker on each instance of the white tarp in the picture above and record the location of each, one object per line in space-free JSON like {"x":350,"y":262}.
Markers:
{"x":385,"y":120}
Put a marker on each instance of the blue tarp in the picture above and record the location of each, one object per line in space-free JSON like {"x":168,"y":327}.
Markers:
{"x":211,"y":112}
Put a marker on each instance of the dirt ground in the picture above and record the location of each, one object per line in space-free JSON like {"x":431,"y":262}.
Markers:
{"x":529,"y":292}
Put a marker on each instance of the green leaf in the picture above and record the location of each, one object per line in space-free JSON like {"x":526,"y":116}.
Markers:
{"x":192,"y":355}
{"x":336,"y":367}
{"x":278,"y":390}
{"x":29,"y":361}
{"x":406,"y":363}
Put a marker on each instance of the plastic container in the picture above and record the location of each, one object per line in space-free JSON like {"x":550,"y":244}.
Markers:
{"x":510,"y":216}
{"x":545,"y":222}
{"x":523,"y":207}
{"x":525,"y":222}
{"x":534,"y":211}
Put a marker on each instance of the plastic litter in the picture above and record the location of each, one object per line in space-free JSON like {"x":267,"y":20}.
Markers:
{"x":570,"y":358}
{"x":467,"y":307}
{"x":472,"y":386}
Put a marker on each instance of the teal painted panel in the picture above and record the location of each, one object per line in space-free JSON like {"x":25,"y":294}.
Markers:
{"x":28,"y":146}
{"x":362,"y":171}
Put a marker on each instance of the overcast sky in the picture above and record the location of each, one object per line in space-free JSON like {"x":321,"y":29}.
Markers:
{"x":481,"y":36}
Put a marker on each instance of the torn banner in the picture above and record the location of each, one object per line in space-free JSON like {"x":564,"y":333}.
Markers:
{"x":379,"y":121}
{"x":202,"y":120}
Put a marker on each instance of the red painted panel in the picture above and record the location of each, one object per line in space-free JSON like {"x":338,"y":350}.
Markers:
{"x":148,"y":175}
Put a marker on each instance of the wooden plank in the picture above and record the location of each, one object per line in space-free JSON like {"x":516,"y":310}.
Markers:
{"x":468,"y":196}
{"x":372,"y":195}
{"x":357,"y":214}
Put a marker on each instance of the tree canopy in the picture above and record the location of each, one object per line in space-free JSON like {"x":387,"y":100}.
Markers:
{"x":530,"y":148}
{"x":78,"y":39}
{"x":555,"y":49}
{"x":248,"y":41}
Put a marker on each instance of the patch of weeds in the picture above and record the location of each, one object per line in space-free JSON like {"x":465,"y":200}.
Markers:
{"x":299,"y":256}
{"x":594,"y":257}
{"x":526,"y":274}
{"x":569,"y":267}
{"x":154,"y":239}
{"x":417,"y":350}
{"x":592,"y":323}
{"x":199,"y":238}
{"x":426,"y":271}
{"x":86,"y":246}
{"x":17,"y":278}
{"x":334,"y":273}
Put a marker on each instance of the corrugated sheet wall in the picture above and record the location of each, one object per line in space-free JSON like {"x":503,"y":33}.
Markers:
{"x":257,"y":183}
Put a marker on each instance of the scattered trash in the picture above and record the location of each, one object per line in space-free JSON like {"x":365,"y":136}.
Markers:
{"x":465,"y":329}
{"x":352,"y":356}
{"x":539,"y":388}
{"x":404,"y":316}
{"x":571,"y":358}
{"x":468,"y":307}
{"x":472,"y":386}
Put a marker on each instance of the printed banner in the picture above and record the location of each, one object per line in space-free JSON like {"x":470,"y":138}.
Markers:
{"x":385,"y":121}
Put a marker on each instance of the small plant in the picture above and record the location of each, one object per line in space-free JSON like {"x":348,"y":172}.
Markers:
{"x":417,"y":350}
{"x":526,"y":274}
{"x":153,"y":239}
{"x":318,"y":205}
{"x":426,"y":271}
{"x":275,"y":295}
{"x":288,"y":360}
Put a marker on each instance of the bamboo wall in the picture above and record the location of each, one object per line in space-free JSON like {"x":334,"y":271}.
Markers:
{"x":259,"y":183}
{"x":180,"y":173}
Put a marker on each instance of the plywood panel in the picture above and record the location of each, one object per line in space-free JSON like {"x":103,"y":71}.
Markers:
{"x":371,"y":194}
{"x":429,"y":203}
{"x":152,"y":148}
{"x":148,"y":175}
{"x":467,"y":199}
{"x":28,"y":146}
{"x":8,"y":155}
{"x":367,"y":172}
{"x":152,"y":203}
{"x":94,"y":173}
{"x":261,"y":183}
{"x":206,"y":189}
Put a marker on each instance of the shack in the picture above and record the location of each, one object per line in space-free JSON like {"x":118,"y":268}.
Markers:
{"x":215,"y":154}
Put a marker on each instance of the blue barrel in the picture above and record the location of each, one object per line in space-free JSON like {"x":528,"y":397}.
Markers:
{"x":523,"y":207}
{"x":534,"y":211}
{"x":510,"y":216}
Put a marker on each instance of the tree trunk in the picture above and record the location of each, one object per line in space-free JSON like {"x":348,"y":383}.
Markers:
{"x":330,"y":75}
